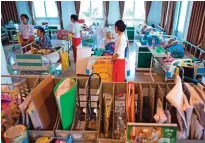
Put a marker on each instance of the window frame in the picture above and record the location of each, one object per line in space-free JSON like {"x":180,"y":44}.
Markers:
{"x":45,"y":10}
{"x":91,"y":11}
{"x":133,"y":18}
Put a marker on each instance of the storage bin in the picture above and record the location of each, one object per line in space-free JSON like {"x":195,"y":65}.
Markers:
{"x":43,"y":98}
{"x":111,"y":90}
{"x":83,"y":128}
{"x":103,"y":66}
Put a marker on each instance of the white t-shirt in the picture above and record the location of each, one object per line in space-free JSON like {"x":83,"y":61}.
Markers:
{"x":75,"y":29}
{"x":26,"y":30}
{"x":120,"y":45}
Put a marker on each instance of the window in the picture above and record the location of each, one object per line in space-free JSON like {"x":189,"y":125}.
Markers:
{"x":45,"y":9}
{"x":182,"y":17}
{"x":134,"y":10}
{"x":89,"y":10}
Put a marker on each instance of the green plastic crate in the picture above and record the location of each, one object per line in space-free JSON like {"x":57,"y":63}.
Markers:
{"x":130,"y":33}
{"x":144,"y":58}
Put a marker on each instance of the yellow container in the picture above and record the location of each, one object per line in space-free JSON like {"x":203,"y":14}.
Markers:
{"x":64,"y":60}
{"x":70,"y":36}
{"x":103,"y":66}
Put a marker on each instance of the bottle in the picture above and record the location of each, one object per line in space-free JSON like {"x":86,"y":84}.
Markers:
{"x":153,"y":43}
{"x":120,"y":125}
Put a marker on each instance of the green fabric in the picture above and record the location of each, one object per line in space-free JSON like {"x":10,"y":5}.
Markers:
{"x":160,"y":50}
{"x":28,"y":56}
{"x":99,"y":52}
{"x":67,"y":106}
{"x":29,"y":64}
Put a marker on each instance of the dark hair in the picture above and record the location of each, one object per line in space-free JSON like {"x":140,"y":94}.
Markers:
{"x":26,"y":16}
{"x":120,"y":25}
{"x":41,"y":29}
{"x":74,"y":17}
{"x":153,"y":26}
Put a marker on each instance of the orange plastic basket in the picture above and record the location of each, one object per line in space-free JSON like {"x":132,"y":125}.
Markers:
{"x":103,"y":66}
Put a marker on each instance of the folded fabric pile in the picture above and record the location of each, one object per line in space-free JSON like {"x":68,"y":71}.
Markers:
{"x":187,"y":109}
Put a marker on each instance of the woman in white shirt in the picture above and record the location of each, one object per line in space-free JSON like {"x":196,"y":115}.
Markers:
{"x":75,"y":31}
{"x":119,"y":53}
{"x":26,"y":32}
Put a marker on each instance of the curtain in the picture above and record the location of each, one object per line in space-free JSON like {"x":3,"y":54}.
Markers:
{"x":106,"y":11}
{"x":170,"y":17}
{"x":9,"y":12}
{"x":147,"y":5}
{"x":58,"y":4}
{"x":163,"y":13}
{"x":77,"y":7}
{"x":30,"y":5}
{"x":122,"y":6}
{"x":196,"y":30}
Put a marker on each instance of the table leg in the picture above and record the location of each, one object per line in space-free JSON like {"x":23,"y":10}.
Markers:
{"x":150,"y":71}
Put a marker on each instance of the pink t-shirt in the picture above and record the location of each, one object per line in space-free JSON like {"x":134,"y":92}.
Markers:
{"x":26,"y":30}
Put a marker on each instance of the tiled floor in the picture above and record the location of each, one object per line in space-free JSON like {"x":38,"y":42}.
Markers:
{"x":134,"y":76}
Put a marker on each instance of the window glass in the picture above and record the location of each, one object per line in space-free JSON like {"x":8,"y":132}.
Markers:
{"x":182,"y":17}
{"x":51,"y":9}
{"x":85,"y":10}
{"x":129,"y":10}
{"x":39,"y":8}
{"x":134,"y":10}
{"x":97,"y":9}
{"x":139,"y":10}
{"x":89,"y":10}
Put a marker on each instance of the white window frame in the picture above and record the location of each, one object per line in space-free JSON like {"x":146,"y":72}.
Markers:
{"x":44,"y":2}
{"x":92,"y":13}
{"x":133,"y":18}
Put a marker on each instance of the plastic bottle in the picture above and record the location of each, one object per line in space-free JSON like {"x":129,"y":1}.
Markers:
{"x":120,"y":125}
{"x":153,"y":43}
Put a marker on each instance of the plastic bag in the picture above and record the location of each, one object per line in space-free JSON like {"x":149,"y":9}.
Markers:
{"x":64,"y":60}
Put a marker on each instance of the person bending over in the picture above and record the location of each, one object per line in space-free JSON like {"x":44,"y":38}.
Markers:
{"x":173,"y":50}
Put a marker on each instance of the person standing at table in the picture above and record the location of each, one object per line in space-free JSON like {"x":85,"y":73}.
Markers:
{"x":26,"y":32}
{"x":75,"y":31}
{"x":119,"y":53}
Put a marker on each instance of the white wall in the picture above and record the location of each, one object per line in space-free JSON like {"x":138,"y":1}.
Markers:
{"x":155,"y":13}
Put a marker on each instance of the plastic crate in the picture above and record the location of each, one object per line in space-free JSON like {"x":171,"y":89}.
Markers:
{"x":103,"y":66}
